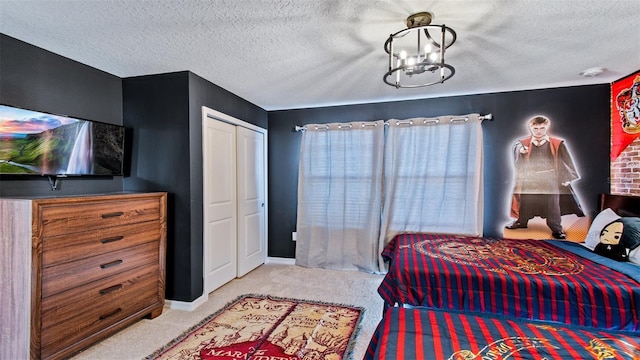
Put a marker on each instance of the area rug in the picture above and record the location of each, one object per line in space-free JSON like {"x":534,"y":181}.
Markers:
{"x":262,"y":327}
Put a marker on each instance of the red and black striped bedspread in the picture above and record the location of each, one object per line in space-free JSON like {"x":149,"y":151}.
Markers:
{"x":523,"y":278}
{"x":421,"y":333}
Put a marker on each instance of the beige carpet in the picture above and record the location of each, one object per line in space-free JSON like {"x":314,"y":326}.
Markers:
{"x":345,"y":287}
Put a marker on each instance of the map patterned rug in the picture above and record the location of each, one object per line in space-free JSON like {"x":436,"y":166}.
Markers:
{"x":260,"y":327}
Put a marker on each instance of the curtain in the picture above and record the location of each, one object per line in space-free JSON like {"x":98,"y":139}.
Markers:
{"x":339,"y":196}
{"x":359,"y":187}
{"x":432,"y":177}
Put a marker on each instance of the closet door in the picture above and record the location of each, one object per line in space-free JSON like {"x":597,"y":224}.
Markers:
{"x":251,"y":200}
{"x":234,"y":155}
{"x":220,"y":204}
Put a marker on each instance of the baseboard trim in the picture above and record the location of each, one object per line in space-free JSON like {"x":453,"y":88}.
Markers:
{"x":190,"y":306}
{"x":186,"y":306}
{"x":280,"y":261}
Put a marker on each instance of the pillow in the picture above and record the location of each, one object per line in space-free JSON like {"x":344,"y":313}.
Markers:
{"x":604,"y":218}
{"x":634,"y":256}
{"x":611,"y":245}
{"x":631,"y":232}
{"x":619,"y":238}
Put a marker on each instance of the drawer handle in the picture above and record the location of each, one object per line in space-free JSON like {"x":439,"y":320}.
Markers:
{"x":110,"y":264}
{"x":112,"y":239}
{"x":110,"y":289}
{"x":113,"y":214}
{"x":102,"y":317}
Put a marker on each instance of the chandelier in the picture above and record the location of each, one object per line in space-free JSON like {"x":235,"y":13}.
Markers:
{"x":416,"y":54}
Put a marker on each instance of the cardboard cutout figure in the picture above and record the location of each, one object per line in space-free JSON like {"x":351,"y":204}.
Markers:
{"x":544,"y":171}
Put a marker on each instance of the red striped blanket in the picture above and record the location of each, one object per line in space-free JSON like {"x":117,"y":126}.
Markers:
{"x":434,"y":334}
{"x":523,"y":278}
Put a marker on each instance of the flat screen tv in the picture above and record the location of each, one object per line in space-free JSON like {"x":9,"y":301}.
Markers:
{"x":38,"y":143}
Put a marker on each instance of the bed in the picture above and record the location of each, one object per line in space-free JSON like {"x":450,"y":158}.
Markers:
{"x":418,"y":333}
{"x":547,"y":280}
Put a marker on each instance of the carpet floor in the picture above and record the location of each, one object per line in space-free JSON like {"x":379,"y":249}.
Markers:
{"x":344,"y":287}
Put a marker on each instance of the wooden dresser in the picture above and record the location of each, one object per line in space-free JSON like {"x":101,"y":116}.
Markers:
{"x":81,"y":268}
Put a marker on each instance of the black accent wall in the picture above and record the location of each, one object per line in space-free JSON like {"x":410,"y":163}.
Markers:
{"x":36,"y":79}
{"x":165,"y":114}
{"x":580,"y":115}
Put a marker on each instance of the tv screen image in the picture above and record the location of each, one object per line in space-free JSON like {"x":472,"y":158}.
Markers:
{"x":38,"y":143}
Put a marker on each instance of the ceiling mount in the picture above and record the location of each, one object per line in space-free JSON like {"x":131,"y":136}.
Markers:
{"x":419,"y":19}
{"x":416,"y":55}
{"x":591,"y":72}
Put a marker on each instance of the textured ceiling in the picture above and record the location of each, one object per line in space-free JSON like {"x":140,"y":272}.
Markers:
{"x":305,"y":53}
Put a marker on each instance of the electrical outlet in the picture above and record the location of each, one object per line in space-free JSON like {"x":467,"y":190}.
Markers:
{"x":294,"y":236}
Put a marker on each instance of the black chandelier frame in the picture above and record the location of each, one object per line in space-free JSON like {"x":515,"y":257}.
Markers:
{"x":420,"y":23}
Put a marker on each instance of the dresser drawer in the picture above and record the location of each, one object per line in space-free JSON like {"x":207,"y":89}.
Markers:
{"x":66,"y":248}
{"x":72,"y":305}
{"x":76,"y":217}
{"x":91,"y":319}
{"x":65,"y":276}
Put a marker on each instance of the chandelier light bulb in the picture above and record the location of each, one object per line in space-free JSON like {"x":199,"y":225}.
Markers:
{"x":434,"y":57}
{"x":403,"y":54}
{"x":427,"y":49}
{"x":411,"y":61}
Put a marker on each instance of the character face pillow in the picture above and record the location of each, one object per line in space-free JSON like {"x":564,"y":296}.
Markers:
{"x":619,"y":238}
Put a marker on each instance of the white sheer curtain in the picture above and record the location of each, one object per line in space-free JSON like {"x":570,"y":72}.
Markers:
{"x":432,"y":177}
{"x":339,"y":196}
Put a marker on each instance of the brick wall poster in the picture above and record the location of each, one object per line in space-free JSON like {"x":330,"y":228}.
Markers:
{"x":625,"y":135}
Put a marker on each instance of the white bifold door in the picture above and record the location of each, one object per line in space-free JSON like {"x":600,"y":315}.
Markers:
{"x":250,"y":172}
{"x":234,"y":190}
